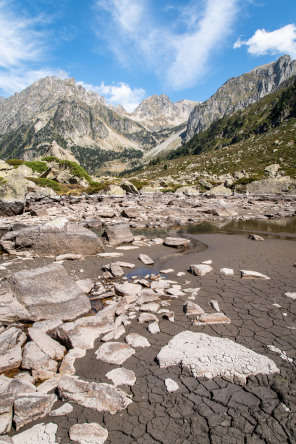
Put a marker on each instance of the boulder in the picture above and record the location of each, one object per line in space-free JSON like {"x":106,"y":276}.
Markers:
{"x":149,"y":190}
{"x":273,"y":186}
{"x":90,"y":433}
{"x":129,"y":187}
{"x":187,"y":190}
{"x":48,"y":345}
{"x":11,"y":342}
{"x":31,"y":406}
{"x":43,"y":293}
{"x":55,"y":237}
{"x":219,"y":190}
{"x":41,"y":365}
{"x":13,"y":194}
{"x":211,"y":356}
{"x":117,"y":234}
{"x":101,"y":397}
{"x":114,"y":190}
{"x":272,"y":169}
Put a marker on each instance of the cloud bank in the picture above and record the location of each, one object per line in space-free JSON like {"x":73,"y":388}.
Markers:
{"x":179,"y":50}
{"x":280,"y":41}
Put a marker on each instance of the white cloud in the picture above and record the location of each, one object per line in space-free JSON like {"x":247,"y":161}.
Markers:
{"x":178,"y":52}
{"x":118,"y":94}
{"x":19,"y":42}
{"x":280,"y":41}
{"x":22,"y":48}
{"x":15,"y":80}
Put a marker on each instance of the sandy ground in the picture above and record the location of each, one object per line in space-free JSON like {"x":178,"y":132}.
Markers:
{"x":204,"y":411}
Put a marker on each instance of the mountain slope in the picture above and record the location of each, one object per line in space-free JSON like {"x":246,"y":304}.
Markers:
{"x":239,"y":92}
{"x":262,"y":134}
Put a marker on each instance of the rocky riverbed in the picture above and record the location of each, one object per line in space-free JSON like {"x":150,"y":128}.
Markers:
{"x":155,"y":337}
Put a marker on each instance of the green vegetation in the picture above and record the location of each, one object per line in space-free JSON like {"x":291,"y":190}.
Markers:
{"x":43,"y":182}
{"x":35,"y":165}
{"x":139,"y":184}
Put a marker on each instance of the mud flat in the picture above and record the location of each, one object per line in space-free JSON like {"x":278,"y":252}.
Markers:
{"x":252,"y":399}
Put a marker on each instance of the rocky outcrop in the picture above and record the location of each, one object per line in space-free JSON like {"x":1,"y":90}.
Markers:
{"x":55,"y":237}
{"x":278,"y":185}
{"x":239,"y":92}
{"x":42,"y":293}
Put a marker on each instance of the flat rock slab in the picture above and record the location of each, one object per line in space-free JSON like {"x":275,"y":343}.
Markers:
{"x":248,"y":274}
{"x":40,"y":433}
{"x":100,"y":397}
{"x":90,"y":433}
{"x":136,"y":340}
{"x":212,"y":318}
{"x":210,"y":356}
{"x":110,"y":254}
{"x":114,"y":352}
{"x":200,"y":269}
{"x":146,"y":259}
{"x":118,"y":234}
{"x":43,"y":293}
{"x":127,"y":289}
{"x":48,"y":345}
{"x":176,"y":242}
{"x":121,"y":376}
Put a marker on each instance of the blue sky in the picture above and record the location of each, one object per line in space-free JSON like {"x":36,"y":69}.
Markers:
{"x":128,"y":50}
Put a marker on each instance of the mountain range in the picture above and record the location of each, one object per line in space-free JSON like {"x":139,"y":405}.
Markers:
{"x":103,"y":137}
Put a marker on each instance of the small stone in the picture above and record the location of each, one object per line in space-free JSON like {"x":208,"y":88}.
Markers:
{"x":136,"y":340}
{"x":89,"y":433}
{"x":121,"y":376}
{"x":152,"y":307}
{"x":247,"y":274}
{"x":66,"y":409}
{"x":291,"y":295}
{"x":153,"y":328}
{"x":255,"y":237}
{"x":116,"y":270}
{"x":146,"y":259}
{"x":227,"y":271}
{"x":208,"y":262}
{"x":147,"y":317}
{"x":168,"y":271}
{"x":70,"y":257}
{"x":181,"y":273}
{"x":200,"y":269}
{"x":191,"y":308}
{"x":171,"y":385}
{"x":215,"y":305}
{"x":212,"y":318}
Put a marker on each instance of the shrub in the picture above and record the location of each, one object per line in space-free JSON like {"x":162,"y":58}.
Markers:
{"x":43,"y":182}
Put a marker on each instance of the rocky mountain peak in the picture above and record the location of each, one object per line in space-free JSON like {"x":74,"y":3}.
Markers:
{"x":239,"y":92}
{"x":158,"y":112}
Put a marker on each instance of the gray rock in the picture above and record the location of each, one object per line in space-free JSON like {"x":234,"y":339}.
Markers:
{"x":114,"y":352}
{"x":100,"y":397}
{"x":66,"y":409}
{"x":67,"y":365}
{"x":43,"y":293}
{"x":55,"y":237}
{"x":118,"y":234}
{"x":176,"y":242}
{"x":127,"y":289}
{"x":121,"y":376}
{"x":191,"y":308}
{"x":212,"y":318}
{"x":153,"y":327}
{"x":248,"y":274}
{"x":171,"y":385}
{"x":116,"y":270}
{"x":210,"y":356}
{"x":90,"y":433}
{"x":129,"y":187}
{"x":31,"y":406}
{"x":146,"y":259}
{"x":219,"y":190}
{"x":255,"y":237}
{"x":6,"y":403}
{"x":48,"y":345}
{"x":136,"y":340}
{"x":200,"y":269}
{"x":11,"y":342}
{"x":273,"y":186}
{"x":38,"y":362}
